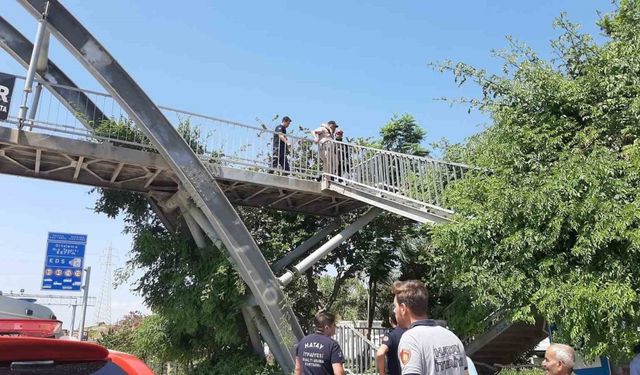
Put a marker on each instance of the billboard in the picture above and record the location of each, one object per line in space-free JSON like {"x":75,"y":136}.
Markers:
{"x":7,"y":82}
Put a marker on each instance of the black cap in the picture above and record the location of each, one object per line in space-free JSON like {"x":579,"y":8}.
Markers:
{"x":332,"y":123}
{"x":286,"y":119}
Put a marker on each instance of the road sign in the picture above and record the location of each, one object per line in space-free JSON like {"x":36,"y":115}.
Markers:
{"x":599,"y":366}
{"x":64,"y":261}
{"x":6,"y":89}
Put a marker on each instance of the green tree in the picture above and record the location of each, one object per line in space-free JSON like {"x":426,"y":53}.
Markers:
{"x":382,"y":240}
{"x":550,"y":224}
{"x":403,"y":134}
{"x":121,"y":336}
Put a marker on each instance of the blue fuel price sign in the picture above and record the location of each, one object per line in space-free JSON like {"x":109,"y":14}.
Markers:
{"x":64,"y":261}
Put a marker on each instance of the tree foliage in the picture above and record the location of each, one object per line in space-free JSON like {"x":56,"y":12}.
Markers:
{"x":550,"y":224}
{"x":403,"y":134}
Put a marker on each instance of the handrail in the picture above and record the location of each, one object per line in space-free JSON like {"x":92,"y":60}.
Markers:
{"x":181,"y":111}
{"x":382,"y":150}
{"x":402,"y":180}
{"x":361,"y":336}
{"x":230,"y":122}
{"x":249,"y":147}
{"x":411,"y":178}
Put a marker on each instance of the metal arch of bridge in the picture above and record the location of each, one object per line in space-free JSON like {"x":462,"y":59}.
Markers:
{"x":192,"y":174}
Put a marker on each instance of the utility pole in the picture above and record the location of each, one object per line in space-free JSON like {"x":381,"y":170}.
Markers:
{"x":73,"y":317}
{"x":84,"y":301}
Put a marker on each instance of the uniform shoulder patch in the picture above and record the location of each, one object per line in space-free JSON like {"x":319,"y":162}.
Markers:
{"x":405,"y":356}
{"x":385,"y":338}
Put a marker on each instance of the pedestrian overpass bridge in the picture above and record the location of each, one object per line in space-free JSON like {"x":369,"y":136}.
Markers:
{"x":194,"y":169}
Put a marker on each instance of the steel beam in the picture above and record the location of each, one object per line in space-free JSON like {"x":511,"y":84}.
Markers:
{"x":20,"y":48}
{"x":334,"y":242}
{"x":433,"y":215}
{"x":279,"y":352}
{"x":198,"y":236}
{"x":292,"y":255}
{"x":252,"y":330}
{"x":194,"y":228}
{"x":33,"y":62}
{"x":193,"y":175}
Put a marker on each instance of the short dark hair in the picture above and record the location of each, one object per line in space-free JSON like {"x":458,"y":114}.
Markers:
{"x":332,"y":123}
{"x":636,"y":349}
{"x":413,"y":294}
{"x":322,"y":319}
{"x":286,"y":119}
{"x":392,"y":315}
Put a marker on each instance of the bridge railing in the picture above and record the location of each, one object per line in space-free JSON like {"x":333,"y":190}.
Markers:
{"x":417,"y":179}
{"x":97,"y":117}
{"x":248,"y":147}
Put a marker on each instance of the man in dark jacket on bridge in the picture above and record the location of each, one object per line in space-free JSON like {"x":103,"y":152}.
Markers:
{"x":281,"y":145}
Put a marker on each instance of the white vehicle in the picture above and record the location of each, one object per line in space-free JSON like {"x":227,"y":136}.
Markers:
{"x":18,"y":308}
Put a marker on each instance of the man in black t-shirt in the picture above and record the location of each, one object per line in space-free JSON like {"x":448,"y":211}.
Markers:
{"x":281,"y":145}
{"x":389,"y":348}
{"x":318,"y":353}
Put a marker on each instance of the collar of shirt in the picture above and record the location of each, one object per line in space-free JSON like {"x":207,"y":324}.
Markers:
{"x":424,"y":322}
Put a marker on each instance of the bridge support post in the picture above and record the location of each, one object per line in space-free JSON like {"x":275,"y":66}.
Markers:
{"x":334,"y":242}
{"x":33,"y":64}
{"x":279,"y":352}
{"x":78,"y":103}
{"x":292,"y":255}
{"x":34,"y":103}
{"x":196,"y":231}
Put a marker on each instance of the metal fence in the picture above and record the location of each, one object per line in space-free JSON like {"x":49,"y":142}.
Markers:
{"x":414,"y":178}
{"x":96,"y":117}
{"x":359,"y":352}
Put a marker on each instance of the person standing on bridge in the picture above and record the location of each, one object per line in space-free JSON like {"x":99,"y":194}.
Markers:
{"x":321,"y":136}
{"x":389,"y":348}
{"x":342,"y":156}
{"x":559,"y":360}
{"x":318,"y":353}
{"x":281,"y":146}
{"x":425,"y":348}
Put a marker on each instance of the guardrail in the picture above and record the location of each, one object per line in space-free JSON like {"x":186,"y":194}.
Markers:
{"x":359,"y":352}
{"x":97,"y":117}
{"x":421,"y":180}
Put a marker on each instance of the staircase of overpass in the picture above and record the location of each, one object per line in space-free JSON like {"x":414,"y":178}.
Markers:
{"x":194,"y":169}
{"x":504,"y":343}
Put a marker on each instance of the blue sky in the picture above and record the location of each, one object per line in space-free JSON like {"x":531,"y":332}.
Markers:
{"x":356,"y":62}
